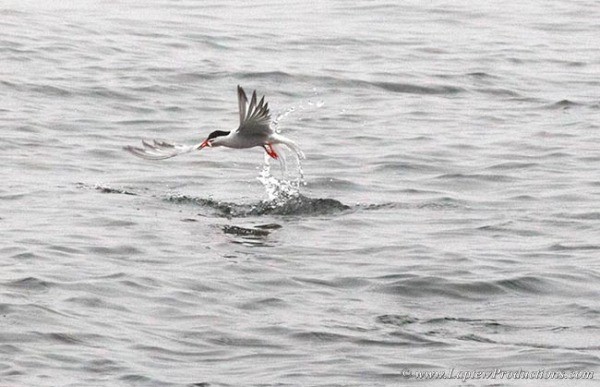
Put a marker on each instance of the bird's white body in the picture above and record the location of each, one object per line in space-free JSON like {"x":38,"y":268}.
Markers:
{"x":254,"y":130}
{"x":240,"y":141}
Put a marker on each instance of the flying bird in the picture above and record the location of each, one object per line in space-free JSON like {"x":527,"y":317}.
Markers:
{"x":254,"y":130}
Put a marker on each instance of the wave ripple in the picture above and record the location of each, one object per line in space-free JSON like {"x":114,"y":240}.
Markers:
{"x":297,"y":205}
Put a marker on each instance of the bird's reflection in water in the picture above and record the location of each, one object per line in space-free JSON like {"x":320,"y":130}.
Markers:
{"x":255,"y":236}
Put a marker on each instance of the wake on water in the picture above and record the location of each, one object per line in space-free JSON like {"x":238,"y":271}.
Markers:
{"x":283,"y":195}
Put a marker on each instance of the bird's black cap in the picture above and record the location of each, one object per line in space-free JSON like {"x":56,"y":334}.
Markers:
{"x":217,"y":133}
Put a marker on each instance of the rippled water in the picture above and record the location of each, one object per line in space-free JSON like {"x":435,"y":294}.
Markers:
{"x":450,"y":217}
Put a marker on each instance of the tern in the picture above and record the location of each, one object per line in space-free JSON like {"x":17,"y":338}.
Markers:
{"x":254,"y":130}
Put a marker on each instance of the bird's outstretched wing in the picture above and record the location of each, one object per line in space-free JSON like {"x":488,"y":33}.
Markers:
{"x":160,"y":150}
{"x":255,"y":118}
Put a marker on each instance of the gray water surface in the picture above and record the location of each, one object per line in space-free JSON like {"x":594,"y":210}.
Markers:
{"x":450,"y":217}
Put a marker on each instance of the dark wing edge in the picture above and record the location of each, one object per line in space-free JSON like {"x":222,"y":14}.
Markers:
{"x":254,"y":113}
{"x":242,"y":103}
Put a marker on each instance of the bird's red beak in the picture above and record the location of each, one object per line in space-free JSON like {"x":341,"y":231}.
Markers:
{"x":205,"y":143}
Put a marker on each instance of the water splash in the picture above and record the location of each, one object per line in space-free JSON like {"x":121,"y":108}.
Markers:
{"x":286,"y":188}
{"x":281,"y":190}
{"x":305,"y":106}
{"x":280,"y":117}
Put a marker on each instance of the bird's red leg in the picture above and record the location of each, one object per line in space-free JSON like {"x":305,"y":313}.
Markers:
{"x":270,"y":151}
